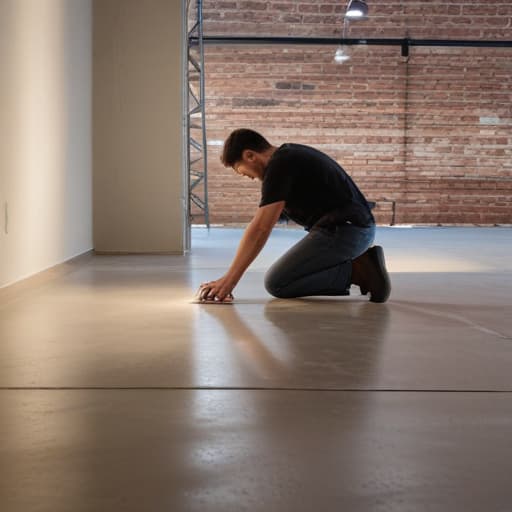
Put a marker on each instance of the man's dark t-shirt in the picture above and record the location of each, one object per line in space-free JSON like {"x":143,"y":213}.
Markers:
{"x":316,"y":190}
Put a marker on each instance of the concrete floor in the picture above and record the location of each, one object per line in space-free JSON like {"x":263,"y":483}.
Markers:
{"x":117,"y":394}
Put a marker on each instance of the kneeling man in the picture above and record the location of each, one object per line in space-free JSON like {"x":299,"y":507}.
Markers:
{"x":310,"y":188}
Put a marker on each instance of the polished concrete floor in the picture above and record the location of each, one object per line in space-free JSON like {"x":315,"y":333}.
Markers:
{"x":118,"y":394}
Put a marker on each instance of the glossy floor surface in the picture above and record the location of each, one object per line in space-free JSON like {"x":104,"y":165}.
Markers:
{"x":117,"y":393}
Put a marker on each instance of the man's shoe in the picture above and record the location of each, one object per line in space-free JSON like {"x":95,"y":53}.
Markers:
{"x":375,"y":277}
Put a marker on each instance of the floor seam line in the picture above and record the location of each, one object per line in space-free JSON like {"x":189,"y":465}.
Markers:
{"x":169,"y":388}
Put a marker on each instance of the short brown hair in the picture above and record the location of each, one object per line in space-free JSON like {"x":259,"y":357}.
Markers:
{"x":238,"y":141}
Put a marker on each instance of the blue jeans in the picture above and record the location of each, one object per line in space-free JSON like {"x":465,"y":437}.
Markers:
{"x":320,"y":263}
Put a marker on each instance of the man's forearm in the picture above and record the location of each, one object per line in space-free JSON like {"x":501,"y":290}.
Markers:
{"x":253,"y":240}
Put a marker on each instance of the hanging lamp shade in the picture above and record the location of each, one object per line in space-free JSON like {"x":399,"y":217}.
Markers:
{"x":341,"y":55}
{"x":357,"y":10}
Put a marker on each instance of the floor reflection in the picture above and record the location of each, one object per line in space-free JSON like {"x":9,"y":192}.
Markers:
{"x":309,"y":342}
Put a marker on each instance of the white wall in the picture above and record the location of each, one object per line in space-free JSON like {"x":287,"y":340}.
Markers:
{"x":139,"y":201}
{"x":45,"y":134}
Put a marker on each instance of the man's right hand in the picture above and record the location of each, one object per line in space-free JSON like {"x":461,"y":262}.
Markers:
{"x":217,"y":290}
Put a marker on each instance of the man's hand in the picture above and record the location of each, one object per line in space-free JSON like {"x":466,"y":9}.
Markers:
{"x":255,"y":237}
{"x":217,"y":290}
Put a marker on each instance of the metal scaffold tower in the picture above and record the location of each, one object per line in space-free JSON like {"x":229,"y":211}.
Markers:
{"x":197,"y":161}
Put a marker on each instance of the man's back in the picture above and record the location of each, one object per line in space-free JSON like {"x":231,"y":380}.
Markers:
{"x":315,"y":187}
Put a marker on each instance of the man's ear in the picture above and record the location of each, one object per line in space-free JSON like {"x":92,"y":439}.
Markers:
{"x":248,"y":155}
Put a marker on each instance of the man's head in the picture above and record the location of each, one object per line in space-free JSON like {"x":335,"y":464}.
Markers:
{"x":247,"y":152}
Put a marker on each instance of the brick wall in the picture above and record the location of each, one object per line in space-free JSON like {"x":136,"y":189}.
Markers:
{"x":431,"y":133}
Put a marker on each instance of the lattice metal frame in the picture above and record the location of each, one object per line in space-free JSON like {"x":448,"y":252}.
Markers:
{"x":197,"y":155}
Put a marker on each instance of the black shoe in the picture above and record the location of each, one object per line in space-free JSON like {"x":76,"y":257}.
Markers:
{"x":376,"y":278}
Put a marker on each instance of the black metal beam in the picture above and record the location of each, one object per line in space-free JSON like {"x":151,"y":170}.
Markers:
{"x":403,"y":42}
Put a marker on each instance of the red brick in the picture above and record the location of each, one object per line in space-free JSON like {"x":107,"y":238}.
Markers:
{"x":431,"y":154}
{"x":313,"y":7}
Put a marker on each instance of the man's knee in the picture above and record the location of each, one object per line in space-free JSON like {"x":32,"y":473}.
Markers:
{"x":273,"y":286}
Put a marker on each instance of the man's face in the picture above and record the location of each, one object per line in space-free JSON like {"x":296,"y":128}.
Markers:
{"x":245,"y":170}
{"x":251,"y":165}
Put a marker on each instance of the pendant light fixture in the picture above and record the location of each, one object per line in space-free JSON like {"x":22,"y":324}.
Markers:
{"x":357,"y":10}
{"x":342,"y":53}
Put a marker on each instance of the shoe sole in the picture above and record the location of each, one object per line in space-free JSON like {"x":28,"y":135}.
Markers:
{"x":376,"y":254}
